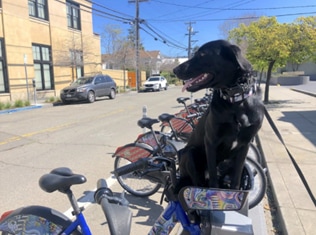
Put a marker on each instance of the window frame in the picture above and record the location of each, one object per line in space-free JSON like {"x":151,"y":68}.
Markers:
{"x":37,"y":9}
{"x":44,"y":60}
{"x":76,"y":59}
{"x":4,"y":65}
{"x":72,"y":19}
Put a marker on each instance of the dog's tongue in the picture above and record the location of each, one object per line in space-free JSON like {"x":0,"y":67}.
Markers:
{"x":189,"y":82}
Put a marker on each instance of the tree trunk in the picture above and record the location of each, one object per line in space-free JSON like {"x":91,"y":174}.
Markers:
{"x":266,"y":92}
{"x":260,"y":76}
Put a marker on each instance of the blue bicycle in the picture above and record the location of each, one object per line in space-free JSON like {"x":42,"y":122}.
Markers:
{"x":198,"y":210}
{"x":39,"y":220}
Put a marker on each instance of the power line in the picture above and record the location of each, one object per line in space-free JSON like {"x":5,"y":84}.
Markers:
{"x":164,"y":39}
{"x":240,"y":18}
{"x":234,"y":9}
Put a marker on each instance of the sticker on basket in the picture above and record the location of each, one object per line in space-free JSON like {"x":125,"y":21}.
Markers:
{"x":29,"y":224}
{"x":212,"y":199}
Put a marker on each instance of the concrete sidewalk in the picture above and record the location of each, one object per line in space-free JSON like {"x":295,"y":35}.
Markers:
{"x":293,"y":110}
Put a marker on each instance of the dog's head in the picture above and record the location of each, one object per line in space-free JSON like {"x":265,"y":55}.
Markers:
{"x":217,"y":64}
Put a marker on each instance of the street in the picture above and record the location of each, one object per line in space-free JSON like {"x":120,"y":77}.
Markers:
{"x":82,"y":137}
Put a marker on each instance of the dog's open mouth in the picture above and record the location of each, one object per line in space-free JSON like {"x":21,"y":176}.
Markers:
{"x":195,"y":83}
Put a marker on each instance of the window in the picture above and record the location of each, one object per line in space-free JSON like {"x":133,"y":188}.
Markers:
{"x":73,"y":15}
{"x":76,"y":59}
{"x":4,"y":83}
{"x":43,"y":67}
{"x":38,"y":9}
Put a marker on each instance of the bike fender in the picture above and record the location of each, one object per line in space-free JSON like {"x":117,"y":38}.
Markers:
{"x":34,"y":220}
{"x":134,"y":151}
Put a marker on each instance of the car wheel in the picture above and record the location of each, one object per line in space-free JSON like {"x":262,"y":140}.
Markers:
{"x":91,"y":97}
{"x":166,"y":87}
{"x":65,"y":101}
{"x":112,"y":94}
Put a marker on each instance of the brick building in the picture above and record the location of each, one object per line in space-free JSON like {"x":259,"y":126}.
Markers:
{"x":50,"y":41}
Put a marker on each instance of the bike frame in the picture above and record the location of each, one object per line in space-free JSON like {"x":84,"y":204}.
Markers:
{"x":79,"y":221}
{"x":172,"y":214}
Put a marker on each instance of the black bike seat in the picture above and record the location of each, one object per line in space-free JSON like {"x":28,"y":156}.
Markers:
{"x":147,"y":122}
{"x":182,"y":100}
{"x":60,"y":179}
{"x":166,"y":117}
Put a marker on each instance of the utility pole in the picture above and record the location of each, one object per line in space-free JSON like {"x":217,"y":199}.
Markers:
{"x":137,"y":21}
{"x":190,"y":34}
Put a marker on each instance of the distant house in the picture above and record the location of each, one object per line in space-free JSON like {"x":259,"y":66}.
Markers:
{"x":149,"y":61}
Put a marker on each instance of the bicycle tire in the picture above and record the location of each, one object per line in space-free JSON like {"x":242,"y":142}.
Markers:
{"x":254,"y":153}
{"x":259,"y":187}
{"x":38,"y":219}
{"x":133,"y":183}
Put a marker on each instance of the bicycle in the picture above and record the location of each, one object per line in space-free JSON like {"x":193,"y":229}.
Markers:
{"x":149,"y":144}
{"x":43,"y":220}
{"x":185,"y":121}
{"x":227,"y":207}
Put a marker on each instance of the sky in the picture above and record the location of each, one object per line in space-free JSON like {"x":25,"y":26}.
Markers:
{"x":165,"y":23}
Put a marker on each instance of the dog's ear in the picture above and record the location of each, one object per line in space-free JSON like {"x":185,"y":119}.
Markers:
{"x":233,"y":53}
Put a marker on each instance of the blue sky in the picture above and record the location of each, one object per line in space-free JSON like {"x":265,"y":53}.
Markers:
{"x":168,"y":20}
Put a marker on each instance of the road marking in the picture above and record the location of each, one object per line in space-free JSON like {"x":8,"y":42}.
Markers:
{"x":54,"y":128}
{"x":88,"y":199}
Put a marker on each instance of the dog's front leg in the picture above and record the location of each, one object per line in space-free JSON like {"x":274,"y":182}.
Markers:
{"x":211,"y":164}
{"x":239,"y":161}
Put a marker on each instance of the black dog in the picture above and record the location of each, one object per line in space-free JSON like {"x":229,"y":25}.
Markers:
{"x":233,"y":119}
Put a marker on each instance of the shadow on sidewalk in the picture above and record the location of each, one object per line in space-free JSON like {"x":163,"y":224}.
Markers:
{"x":304,"y":121}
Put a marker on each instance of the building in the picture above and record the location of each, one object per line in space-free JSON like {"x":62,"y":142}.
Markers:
{"x":51,"y":42}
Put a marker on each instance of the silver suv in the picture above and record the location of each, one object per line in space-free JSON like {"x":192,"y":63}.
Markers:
{"x":155,"y":83}
{"x":88,"y":88}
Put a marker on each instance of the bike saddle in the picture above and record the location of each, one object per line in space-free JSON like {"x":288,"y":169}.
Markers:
{"x":147,"y":122}
{"x":166,"y":117}
{"x":182,"y":100}
{"x":60,"y":179}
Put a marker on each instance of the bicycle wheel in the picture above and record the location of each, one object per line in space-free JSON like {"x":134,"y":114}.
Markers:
{"x":135,"y":183}
{"x":253,"y":153}
{"x":259,"y":186}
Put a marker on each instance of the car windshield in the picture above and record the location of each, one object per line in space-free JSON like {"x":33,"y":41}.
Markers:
{"x":83,"y":80}
{"x":153,"y":79}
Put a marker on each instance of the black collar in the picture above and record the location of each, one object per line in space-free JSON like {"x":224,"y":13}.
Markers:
{"x":238,"y":93}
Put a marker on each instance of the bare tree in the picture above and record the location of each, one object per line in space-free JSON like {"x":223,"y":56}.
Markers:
{"x":75,"y":52}
{"x":117,"y":48}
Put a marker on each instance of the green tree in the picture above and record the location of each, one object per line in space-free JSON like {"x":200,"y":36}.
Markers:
{"x":267,"y":45}
{"x":302,"y":34}
{"x":271,"y":45}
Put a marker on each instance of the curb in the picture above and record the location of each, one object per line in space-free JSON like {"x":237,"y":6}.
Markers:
{"x":9,"y":111}
{"x":304,"y":92}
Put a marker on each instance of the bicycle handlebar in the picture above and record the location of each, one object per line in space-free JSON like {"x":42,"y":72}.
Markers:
{"x":104,"y":192}
{"x":193,"y":115}
{"x":115,"y":209}
{"x":138,"y":165}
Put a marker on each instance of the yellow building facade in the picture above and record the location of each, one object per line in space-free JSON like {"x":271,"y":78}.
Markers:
{"x":48,"y":43}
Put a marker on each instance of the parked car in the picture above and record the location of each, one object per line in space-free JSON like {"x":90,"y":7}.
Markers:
{"x":88,"y":88}
{"x":155,"y":83}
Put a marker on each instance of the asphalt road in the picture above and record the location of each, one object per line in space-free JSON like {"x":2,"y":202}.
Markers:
{"x":82,"y":137}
